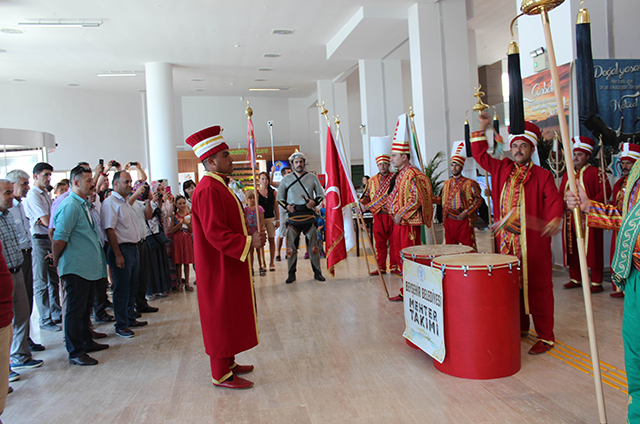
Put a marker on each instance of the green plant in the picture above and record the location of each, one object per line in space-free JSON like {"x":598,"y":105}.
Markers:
{"x":431,"y":171}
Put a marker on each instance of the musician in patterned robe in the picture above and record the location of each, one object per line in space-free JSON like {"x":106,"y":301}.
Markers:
{"x":591,"y":179}
{"x":374,"y":199}
{"x":529,"y":208}
{"x":409,"y":201}
{"x":625,"y":271}
{"x":628,"y":156}
{"x":460,"y":201}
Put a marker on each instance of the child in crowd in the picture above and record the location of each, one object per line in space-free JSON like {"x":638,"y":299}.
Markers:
{"x":252,"y":222}
{"x":182,"y":242}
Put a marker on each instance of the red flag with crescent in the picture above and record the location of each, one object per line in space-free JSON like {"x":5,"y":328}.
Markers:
{"x":339,"y":199}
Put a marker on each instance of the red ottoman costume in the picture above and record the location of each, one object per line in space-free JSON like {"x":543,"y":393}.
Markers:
{"x":590,"y":178}
{"x":528,"y":192}
{"x":221,"y":243}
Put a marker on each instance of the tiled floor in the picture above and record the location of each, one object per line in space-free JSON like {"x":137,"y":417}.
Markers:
{"x":329,"y":352}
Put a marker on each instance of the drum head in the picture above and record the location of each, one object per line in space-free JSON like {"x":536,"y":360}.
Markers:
{"x":475,"y":260}
{"x":434,"y":250}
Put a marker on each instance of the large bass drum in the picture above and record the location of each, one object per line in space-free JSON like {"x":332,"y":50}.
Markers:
{"x":481,"y":315}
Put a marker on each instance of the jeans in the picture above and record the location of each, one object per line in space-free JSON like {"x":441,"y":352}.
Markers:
{"x":77,"y":317}
{"x":145,"y":264}
{"x":45,"y":283}
{"x":293,"y":240}
{"x":125,"y":284}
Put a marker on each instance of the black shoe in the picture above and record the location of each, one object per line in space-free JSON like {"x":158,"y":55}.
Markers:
{"x":147,"y":309}
{"x":95,"y":347}
{"x":36,"y":347}
{"x":291,"y":279}
{"x":319,"y":277}
{"x":109,"y":304}
{"x":83,"y":360}
{"x":126,"y":333}
{"x":57,"y":321}
{"x":138,"y":324}
{"x":106,"y":318}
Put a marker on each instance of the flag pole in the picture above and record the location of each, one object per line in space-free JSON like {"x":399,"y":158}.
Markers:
{"x":362,"y":223}
{"x":604,"y":175}
{"x":252,"y":144}
{"x":273,"y":160}
{"x":414,"y":136}
{"x":542,"y":8}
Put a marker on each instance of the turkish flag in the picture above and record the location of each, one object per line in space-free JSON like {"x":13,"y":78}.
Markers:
{"x":340,"y":195}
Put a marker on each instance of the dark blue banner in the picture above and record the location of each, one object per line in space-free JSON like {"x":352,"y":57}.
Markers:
{"x":618,"y":91}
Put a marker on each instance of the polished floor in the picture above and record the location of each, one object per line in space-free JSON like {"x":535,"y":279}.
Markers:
{"x":329,"y":352}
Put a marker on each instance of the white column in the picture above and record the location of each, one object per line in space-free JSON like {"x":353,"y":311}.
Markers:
{"x":371,"y":105}
{"x":325,"y":94}
{"x":394,"y":102}
{"x":443,"y":72}
{"x":163,"y":153}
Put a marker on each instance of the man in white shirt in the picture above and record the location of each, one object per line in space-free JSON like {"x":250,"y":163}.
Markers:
{"x":20,"y":180}
{"x":37,"y":206}
{"x":123,"y":234}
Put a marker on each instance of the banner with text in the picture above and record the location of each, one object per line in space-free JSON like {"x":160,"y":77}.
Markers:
{"x":424,"y":326}
{"x":618,"y":92}
{"x":540,"y":105}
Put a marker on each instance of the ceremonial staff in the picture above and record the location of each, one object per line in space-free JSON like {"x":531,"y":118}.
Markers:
{"x":414,"y":136}
{"x":252,"y":156}
{"x":273,"y":160}
{"x":542,"y":8}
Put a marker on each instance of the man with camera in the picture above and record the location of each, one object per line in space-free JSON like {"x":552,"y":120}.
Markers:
{"x":300,"y":192}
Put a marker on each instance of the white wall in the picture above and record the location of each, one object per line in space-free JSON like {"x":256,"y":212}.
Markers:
{"x":88,"y":125}
{"x":353,"y":100}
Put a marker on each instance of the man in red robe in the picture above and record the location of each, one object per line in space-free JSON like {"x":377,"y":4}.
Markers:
{"x":460,"y":201}
{"x":374,"y":199}
{"x":591,"y":179}
{"x":409,"y":201}
{"x":221,"y":243}
{"x":629,"y":154}
{"x":528,"y":209}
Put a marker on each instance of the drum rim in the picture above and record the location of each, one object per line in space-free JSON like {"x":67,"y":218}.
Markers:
{"x":418,"y":256}
{"x":510,"y":262}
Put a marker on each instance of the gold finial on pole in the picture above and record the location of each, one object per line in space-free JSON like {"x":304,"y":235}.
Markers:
{"x":583,"y":15}
{"x":536,"y":7}
{"x":411,"y":114}
{"x":248,"y":111}
{"x":466,"y":119}
{"x":323,"y":110}
{"x":479,"y":94}
{"x":336,"y":120}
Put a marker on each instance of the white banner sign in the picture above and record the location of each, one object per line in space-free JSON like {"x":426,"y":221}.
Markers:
{"x":423,"y":316}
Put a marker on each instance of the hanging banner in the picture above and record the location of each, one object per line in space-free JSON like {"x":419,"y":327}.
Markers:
{"x":424,"y":326}
{"x":618,"y":92}
{"x":540,"y":103}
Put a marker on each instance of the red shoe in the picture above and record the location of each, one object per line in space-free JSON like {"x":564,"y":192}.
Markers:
{"x":539,"y":348}
{"x":617,"y":295}
{"x":397,"y":272}
{"x":572,"y":285}
{"x":375,"y":272}
{"x":242,"y":369}
{"x":596,"y":289}
{"x":397,"y":298}
{"x":236,"y":383}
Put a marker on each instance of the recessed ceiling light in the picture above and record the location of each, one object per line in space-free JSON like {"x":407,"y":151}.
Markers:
{"x":197,"y":79}
{"x":269,"y":89}
{"x":200,"y":89}
{"x":121,"y":74}
{"x":271,"y":55}
{"x":10,"y":31}
{"x":73,"y":85}
{"x":282,"y":32}
{"x":63,"y":23}
{"x":17,"y":80}
{"x":265,"y":69}
{"x":259,"y":79}
{"x":142,"y":90}
{"x":3,"y":51}
{"x":236,"y":45}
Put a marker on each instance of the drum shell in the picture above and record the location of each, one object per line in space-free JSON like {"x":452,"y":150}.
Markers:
{"x":426,"y":260}
{"x":481,"y":314}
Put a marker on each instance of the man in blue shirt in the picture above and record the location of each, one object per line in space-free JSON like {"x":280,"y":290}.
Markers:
{"x":78,"y":253}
